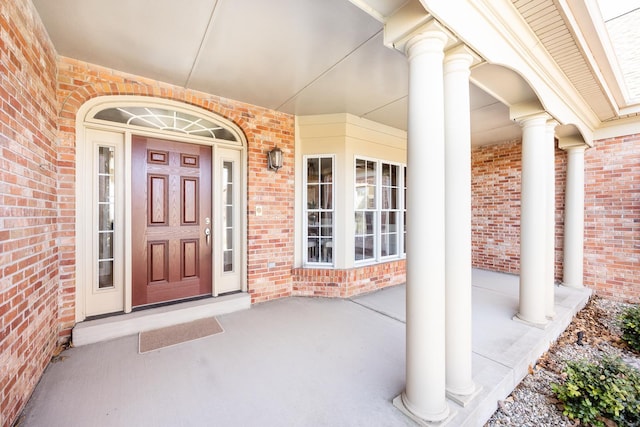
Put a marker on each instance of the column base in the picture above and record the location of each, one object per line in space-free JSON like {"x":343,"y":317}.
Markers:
{"x":573,"y":285}
{"x":398,"y":402}
{"x":543,"y":325}
{"x":464,"y":399}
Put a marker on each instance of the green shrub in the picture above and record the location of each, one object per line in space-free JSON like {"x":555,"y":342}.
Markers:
{"x":594,"y":391}
{"x":630,"y":324}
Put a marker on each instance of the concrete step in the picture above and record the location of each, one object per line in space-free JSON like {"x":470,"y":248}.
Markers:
{"x":93,"y":331}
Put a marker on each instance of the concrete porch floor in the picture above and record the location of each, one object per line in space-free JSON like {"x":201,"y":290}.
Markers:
{"x":291,"y":362}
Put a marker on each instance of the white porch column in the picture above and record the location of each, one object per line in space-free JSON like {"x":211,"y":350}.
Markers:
{"x":550,"y":181}
{"x":574,"y":216}
{"x":458,"y":222}
{"x":424,"y":396}
{"x":533,"y":220}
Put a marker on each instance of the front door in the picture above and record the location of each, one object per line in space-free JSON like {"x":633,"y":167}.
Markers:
{"x":171,"y":220}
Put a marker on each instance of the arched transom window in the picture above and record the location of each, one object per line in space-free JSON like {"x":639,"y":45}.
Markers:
{"x":167,"y":120}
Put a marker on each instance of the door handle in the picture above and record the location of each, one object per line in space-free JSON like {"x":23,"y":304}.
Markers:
{"x":207,"y":235}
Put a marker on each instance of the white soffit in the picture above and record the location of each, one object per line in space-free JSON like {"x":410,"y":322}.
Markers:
{"x":265,"y":52}
{"x":158,"y":39}
{"x":624,"y":33}
{"x":297,"y":56}
{"x":549,"y":24}
{"x":380,"y":73}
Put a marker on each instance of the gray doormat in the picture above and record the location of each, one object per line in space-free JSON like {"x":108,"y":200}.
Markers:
{"x":176,"y":334}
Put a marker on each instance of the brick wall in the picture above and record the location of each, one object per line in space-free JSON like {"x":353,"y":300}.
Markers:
{"x":321,"y":282}
{"x":270,"y":236}
{"x":495,"y":182}
{"x":495,"y":207}
{"x":612,"y":218}
{"x":612,"y":213}
{"x":28,"y":255}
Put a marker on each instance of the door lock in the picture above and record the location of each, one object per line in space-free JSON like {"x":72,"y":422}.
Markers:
{"x":207,"y":235}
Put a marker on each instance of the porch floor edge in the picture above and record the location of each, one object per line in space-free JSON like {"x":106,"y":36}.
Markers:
{"x":117,"y":326}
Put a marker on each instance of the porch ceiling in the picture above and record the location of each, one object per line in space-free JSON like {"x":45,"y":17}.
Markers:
{"x":297,"y":56}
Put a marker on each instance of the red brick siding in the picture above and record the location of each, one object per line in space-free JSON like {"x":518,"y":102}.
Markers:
{"x":29,"y":289}
{"x":495,"y":207}
{"x":347,"y":283}
{"x":561,"y":185}
{"x":270,"y":236}
{"x":612,"y":218}
{"x":495,"y":182}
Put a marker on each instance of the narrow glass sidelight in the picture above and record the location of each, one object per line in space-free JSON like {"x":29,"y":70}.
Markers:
{"x":227,"y":217}
{"x":319,"y":208}
{"x":106,"y":216}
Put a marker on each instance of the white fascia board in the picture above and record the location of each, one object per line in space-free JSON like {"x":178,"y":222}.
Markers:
{"x":591,"y":42}
{"x":618,"y":128}
{"x":366,"y":7}
{"x":487,"y":26}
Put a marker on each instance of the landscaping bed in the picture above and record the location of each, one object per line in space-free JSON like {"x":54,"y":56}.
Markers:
{"x":593,"y":336}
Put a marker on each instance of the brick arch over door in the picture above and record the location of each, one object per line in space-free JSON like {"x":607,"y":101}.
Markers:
{"x":79,"y":82}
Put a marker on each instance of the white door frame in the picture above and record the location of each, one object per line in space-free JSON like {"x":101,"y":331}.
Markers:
{"x":86,"y":126}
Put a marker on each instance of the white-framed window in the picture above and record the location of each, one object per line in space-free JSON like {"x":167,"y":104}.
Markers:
{"x":319,"y":209}
{"x":365,"y":209}
{"x":106,"y":209}
{"x":379,"y":210}
{"x":404,"y":210}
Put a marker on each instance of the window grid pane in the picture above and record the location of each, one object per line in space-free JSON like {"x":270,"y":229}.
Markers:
{"x":227,"y":217}
{"x":319,"y":210}
{"x":106,"y":216}
{"x":404,"y":210}
{"x":165,"y":119}
{"x":389,"y":230}
{"x":379,"y":210}
{"x":365,"y":209}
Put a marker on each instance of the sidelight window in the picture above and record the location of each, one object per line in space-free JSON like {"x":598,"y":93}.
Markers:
{"x":106,"y":215}
{"x":319,"y":210}
{"x":228,"y":215}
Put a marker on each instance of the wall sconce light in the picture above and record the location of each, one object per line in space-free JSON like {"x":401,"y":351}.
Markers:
{"x":274,"y":159}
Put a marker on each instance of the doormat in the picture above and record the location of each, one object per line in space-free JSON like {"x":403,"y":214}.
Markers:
{"x":177,"y":334}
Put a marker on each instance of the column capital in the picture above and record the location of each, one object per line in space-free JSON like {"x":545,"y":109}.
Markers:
{"x":552,"y":123}
{"x":572,"y":143}
{"x":539,"y":119}
{"x":528,"y":112}
{"x":430,"y":40}
{"x":463,"y":55}
{"x":551,"y":130}
{"x":409,"y":21}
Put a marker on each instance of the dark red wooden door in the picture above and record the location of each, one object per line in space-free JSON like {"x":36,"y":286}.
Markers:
{"x":171,"y":213}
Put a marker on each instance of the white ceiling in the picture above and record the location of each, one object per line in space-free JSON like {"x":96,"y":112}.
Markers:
{"x":297,"y":56}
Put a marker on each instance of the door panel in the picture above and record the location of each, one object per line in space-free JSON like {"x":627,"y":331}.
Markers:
{"x":171,"y":207}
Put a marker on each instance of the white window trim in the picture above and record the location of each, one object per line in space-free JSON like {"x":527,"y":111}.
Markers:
{"x":378,"y":258}
{"x":305,"y":216}
{"x":83,"y":232}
